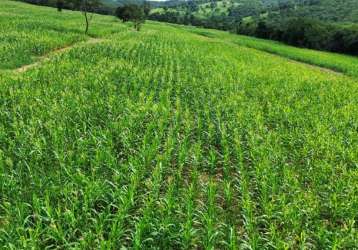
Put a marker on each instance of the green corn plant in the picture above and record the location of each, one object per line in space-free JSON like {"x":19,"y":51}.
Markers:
{"x":166,"y":138}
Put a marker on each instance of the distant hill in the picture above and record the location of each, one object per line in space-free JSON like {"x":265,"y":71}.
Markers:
{"x":324,"y":10}
{"x":320,"y":24}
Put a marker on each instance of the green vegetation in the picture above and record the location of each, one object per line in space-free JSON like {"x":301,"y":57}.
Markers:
{"x":343,"y":11}
{"x":337,"y":62}
{"x":49,"y":31}
{"x":133,"y":12}
{"x":316,"y":24}
{"x":328,"y":25}
{"x":172,"y":138}
{"x":18,"y":46}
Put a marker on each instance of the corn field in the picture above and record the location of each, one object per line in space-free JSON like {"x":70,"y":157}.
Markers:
{"x":170,"y":138}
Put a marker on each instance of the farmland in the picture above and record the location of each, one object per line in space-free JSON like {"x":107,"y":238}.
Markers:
{"x":171,"y":138}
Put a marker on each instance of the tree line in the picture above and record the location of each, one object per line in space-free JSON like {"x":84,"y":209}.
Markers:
{"x":136,"y":13}
{"x":304,"y":32}
{"x":97,"y":5}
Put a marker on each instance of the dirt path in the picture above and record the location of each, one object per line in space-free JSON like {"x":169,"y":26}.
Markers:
{"x":291,"y":60}
{"x":47,"y":56}
{"x":313,"y":66}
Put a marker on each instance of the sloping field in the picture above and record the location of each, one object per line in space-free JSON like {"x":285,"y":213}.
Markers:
{"x":169,"y":139}
{"x":329,"y":61}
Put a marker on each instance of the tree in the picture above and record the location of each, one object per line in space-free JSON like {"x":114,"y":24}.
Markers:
{"x":59,"y":5}
{"x":262,"y":30}
{"x":146,"y":8}
{"x":213,"y":5}
{"x":285,"y":5}
{"x":122,"y":13}
{"x":87,"y":7}
{"x":192,"y":6}
{"x":138,"y":18}
{"x":132,"y":12}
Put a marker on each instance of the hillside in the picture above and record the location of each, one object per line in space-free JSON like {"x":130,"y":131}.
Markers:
{"x":331,"y":10}
{"x":324,"y":10}
{"x":173,"y":137}
{"x":316,"y":24}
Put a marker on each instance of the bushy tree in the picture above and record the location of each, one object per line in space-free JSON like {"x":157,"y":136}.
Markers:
{"x":132,"y":12}
{"x":123,"y":13}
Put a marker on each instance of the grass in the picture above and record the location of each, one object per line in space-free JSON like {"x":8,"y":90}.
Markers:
{"x":173,"y":140}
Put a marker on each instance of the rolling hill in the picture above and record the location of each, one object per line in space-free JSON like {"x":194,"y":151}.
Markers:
{"x":324,"y":10}
{"x":316,"y":24}
{"x":173,"y":137}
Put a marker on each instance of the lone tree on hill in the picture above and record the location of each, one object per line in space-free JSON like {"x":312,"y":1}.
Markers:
{"x":132,"y":12}
{"x":87,"y":7}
